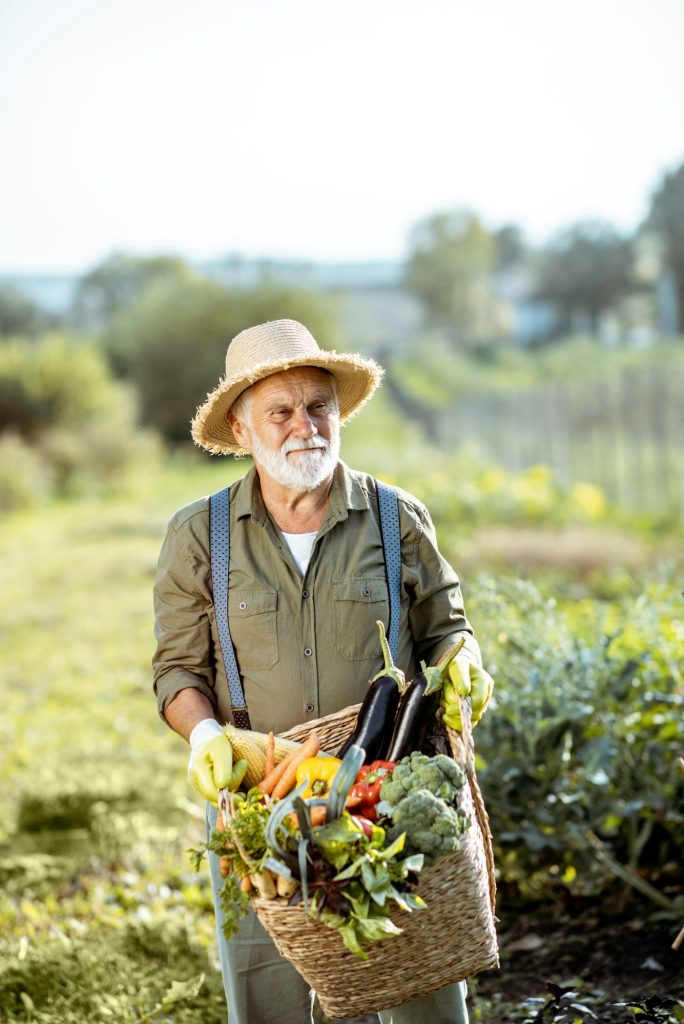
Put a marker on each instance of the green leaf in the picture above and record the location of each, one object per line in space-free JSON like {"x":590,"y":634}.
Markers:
{"x":373,"y":929}
{"x":359,"y":899}
{"x":351,"y":940}
{"x":409,"y":902}
{"x":374,"y":880}
{"x":180,"y":990}
{"x":394,"y":848}
{"x":414,"y":862}
{"x":352,"y":869}
{"x":338,"y":841}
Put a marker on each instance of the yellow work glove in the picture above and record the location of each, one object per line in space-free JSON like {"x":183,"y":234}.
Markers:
{"x":466,"y":679}
{"x":211,"y":761}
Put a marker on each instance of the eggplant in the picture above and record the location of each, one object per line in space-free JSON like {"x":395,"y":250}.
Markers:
{"x":416,"y":713}
{"x":418,"y":708}
{"x":375,"y":721}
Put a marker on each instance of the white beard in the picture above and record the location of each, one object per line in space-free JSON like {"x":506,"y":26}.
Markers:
{"x":308,"y":471}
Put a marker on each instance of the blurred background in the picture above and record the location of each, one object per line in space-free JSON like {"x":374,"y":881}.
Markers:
{"x":490,"y":201}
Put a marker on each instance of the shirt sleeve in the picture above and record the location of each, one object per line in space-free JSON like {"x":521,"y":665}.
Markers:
{"x":437,"y":616}
{"x":183,"y":658}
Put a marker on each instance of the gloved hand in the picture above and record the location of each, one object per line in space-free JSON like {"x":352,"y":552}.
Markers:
{"x":211,"y":761}
{"x":466,"y":679}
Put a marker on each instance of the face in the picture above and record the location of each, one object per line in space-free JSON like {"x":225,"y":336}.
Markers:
{"x":291,"y":427}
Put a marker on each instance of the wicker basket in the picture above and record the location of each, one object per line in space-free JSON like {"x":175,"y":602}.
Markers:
{"x":452,"y":939}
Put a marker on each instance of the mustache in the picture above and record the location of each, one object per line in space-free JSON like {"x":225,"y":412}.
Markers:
{"x":295,"y":445}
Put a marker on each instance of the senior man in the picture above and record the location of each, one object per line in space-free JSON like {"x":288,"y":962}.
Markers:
{"x":306,"y":585}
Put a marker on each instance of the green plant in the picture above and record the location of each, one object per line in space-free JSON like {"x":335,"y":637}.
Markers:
{"x":579,"y":750}
{"x":65,"y":424}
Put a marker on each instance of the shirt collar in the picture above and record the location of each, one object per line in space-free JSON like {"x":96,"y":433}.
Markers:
{"x":346,"y":494}
{"x":248,"y":500}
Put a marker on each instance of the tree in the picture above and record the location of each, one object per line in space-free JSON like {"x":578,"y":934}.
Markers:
{"x":585,"y":269}
{"x":117,"y":283}
{"x":449,"y":268}
{"x":667,"y":217}
{"x":509,"y":247}
{"x":172,"y":343}
{"x":19,"y":316}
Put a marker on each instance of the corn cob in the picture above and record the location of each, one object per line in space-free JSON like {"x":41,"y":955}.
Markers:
{"x":252,"y":747}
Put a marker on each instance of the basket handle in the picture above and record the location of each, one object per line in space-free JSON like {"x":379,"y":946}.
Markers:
{"x":463,"y":741}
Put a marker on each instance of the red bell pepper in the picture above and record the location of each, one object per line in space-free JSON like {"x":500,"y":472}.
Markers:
{"x":365,"y":793}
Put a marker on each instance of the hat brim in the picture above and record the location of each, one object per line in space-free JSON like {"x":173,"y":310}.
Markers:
{"x":357,"y":378}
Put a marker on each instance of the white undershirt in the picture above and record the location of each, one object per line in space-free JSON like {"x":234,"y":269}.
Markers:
{"x":301,"y":546}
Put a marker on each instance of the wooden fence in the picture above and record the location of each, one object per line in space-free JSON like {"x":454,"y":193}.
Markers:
{"x":624,"y":432}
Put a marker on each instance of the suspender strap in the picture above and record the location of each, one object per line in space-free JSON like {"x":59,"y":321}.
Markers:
{"x":219,"y":535}
{"x":388,"y":506}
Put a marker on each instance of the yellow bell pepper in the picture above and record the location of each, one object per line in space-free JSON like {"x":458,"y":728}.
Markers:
{"x":319,"y":771}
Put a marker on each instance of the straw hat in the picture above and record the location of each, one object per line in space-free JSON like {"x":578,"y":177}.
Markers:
{"x":270,"y":348}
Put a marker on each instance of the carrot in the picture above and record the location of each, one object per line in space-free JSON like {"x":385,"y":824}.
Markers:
{"x":270,"y":754}
{"x":220,"y":823}
{"x":246,"y":884}
{"x":269,"y":782}
{"x":225,"y":866}
{"x":318,"y":815}
{"x":288,"y":778}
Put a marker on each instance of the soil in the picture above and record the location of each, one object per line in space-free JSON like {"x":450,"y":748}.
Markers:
{"x":606,"y":954}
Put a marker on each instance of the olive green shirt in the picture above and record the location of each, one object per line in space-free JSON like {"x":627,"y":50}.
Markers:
{"x":306,"y":646}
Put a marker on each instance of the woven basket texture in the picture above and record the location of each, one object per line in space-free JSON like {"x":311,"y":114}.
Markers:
{"x":454,"y":938}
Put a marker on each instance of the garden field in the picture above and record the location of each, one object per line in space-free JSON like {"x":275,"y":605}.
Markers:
{"x":102,"y":917}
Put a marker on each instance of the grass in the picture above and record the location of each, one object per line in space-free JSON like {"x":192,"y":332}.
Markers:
{"x":100,"y":911}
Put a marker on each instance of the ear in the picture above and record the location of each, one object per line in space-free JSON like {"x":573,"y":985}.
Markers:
{"x":241,"y":432}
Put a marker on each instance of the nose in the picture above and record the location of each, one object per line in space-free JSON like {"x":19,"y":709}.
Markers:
{"x":303,"y":424}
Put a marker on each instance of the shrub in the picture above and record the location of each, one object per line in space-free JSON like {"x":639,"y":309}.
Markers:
{"x":64,"y":421}
{"x":579,"y":751}
{"x":54,"y":381}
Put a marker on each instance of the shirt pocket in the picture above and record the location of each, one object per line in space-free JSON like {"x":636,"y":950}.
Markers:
{"x":359,"y":602}
{"x":254,"y":628}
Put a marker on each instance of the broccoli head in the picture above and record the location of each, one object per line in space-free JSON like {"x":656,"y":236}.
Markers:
{"x":438,"y":775}
{"x":432,"y":828}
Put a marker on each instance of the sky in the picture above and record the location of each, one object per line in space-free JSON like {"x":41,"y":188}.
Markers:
{"x":325,"y":130}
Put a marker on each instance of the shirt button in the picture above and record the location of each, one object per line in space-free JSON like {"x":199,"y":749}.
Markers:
{"x":243,"y":605}
{"x":309,"y":708}
{"x":305,"y":593}
{"x":308,"y":652}
{"x":366,"y":592}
